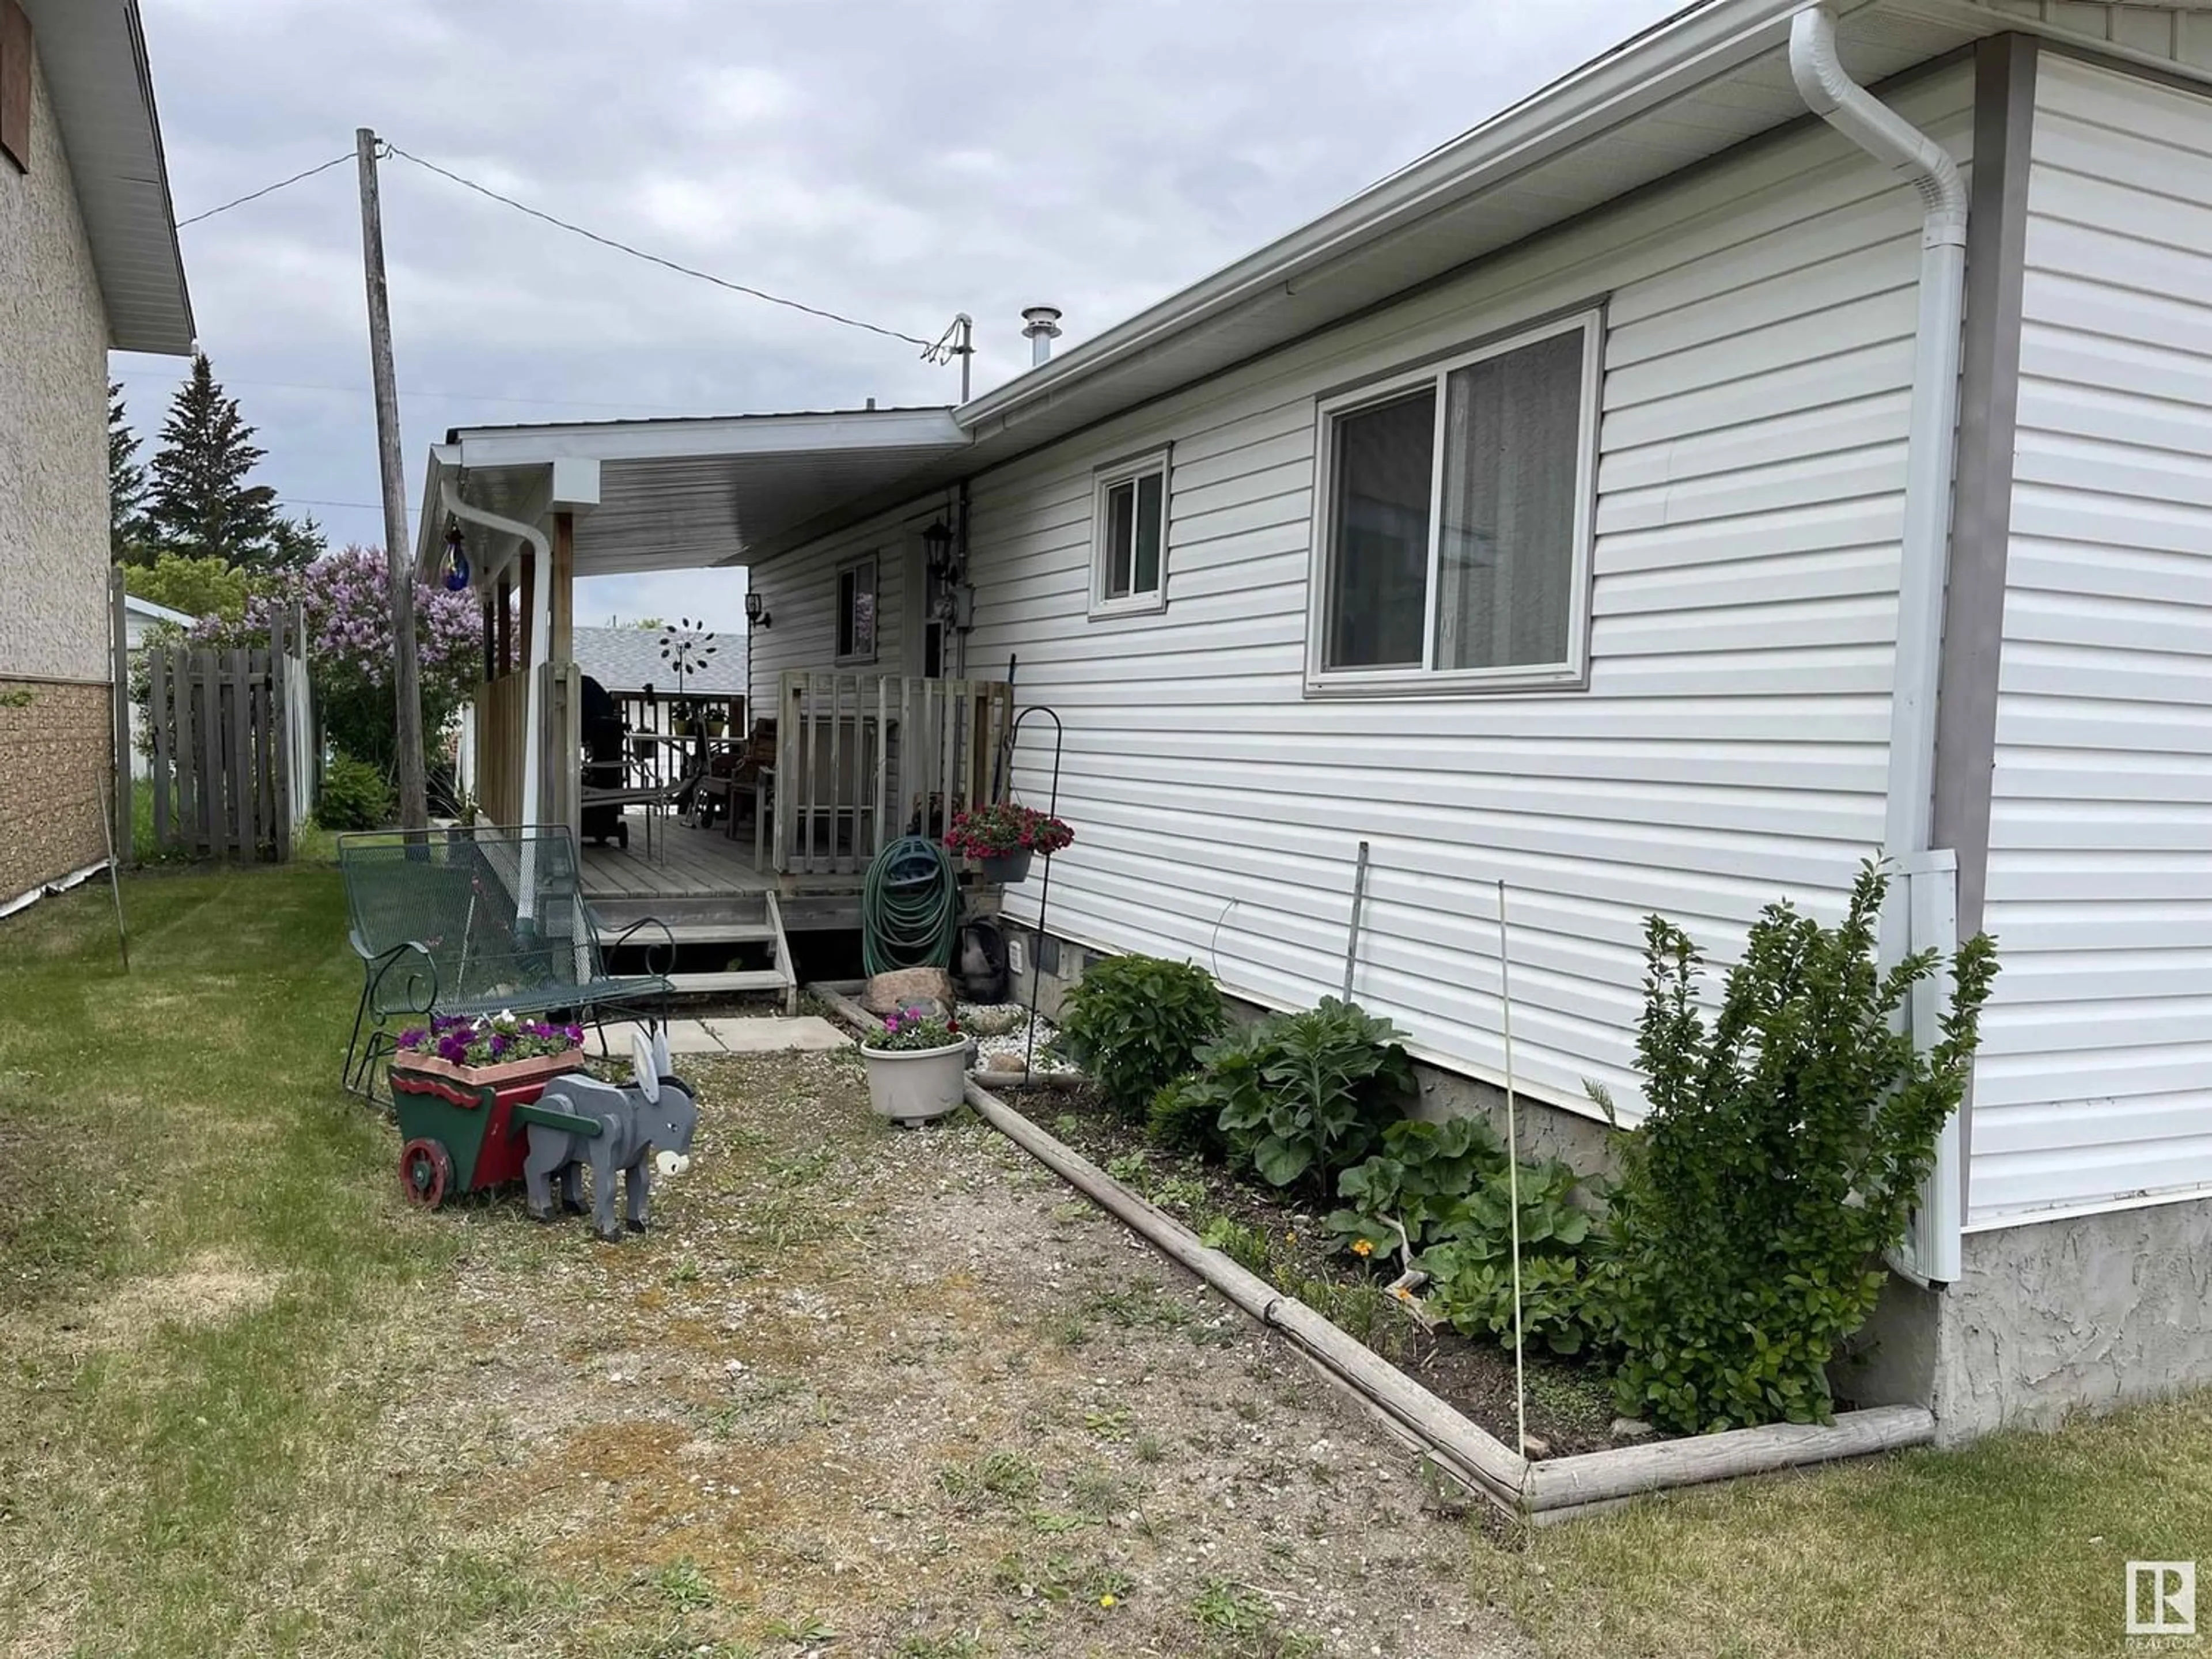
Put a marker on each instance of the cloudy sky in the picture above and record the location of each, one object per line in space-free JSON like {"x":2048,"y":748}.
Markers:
{"x":897,"y":162}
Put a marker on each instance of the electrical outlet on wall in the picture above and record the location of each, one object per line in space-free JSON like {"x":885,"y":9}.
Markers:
{"x":1017,"y":957}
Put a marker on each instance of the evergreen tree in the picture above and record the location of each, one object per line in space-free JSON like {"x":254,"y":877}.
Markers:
{"x":296,"y":544}
{"x":127,"y":537}
{"x":202,"y":506}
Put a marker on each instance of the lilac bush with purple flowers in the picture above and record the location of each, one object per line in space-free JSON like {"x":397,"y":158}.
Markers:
{"x":346,"y":601}
{"x":488,"y":1039}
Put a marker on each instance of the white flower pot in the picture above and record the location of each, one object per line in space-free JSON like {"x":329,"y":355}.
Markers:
{"x":913,"y":1086}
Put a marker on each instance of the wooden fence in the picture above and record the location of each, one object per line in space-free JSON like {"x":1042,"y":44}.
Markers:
{"x":233,"y":750}
{"x":860,"y":757}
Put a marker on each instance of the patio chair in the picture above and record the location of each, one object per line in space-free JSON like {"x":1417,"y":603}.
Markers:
{"x":478,"y":921}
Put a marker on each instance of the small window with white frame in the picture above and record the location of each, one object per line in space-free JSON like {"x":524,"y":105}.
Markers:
{"x":1129,"y":537}
{"x":856,"y":611}
{"x":1453,"y":532}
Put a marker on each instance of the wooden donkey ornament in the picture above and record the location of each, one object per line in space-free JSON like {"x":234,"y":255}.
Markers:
{"x":630,"y":1129}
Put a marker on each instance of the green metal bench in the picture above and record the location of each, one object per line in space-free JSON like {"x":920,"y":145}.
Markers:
{"x":479,"y":920}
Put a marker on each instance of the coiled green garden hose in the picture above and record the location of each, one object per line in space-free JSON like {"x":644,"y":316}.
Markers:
{"x":909,"y":907}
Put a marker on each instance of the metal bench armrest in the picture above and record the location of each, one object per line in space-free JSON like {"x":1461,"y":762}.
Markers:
{"x":667,"y":942}
{"x":421,"y":984}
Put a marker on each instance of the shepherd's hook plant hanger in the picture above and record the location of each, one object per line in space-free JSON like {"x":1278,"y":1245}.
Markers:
{"x":1044,"y":893}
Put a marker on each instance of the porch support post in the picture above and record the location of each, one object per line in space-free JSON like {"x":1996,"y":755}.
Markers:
{"x":529,"y":605}
{"x":564,"y":588}
{"x":506,"y":658}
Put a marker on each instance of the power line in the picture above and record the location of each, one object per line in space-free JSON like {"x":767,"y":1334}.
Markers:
{"x":267,"y":189}
{"x":934,"y":349}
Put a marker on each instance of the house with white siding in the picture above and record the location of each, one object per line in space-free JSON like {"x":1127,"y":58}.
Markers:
{"x":1788,"y":437}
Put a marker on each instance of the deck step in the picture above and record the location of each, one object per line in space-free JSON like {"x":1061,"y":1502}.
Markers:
{"x":716,"y":932}
{"x":751,"y":979}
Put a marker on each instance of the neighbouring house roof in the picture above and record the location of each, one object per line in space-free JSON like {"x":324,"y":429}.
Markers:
{"x":94,"y":56}
{"x":629,"y":660}
{"x":153,"y":612}
{"x":1706,"y":79}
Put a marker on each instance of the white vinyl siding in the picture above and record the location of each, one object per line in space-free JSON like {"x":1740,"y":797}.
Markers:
{"x":2094,"y":1084}
{"x":800,"y":592}
{"x":1730,"y":748}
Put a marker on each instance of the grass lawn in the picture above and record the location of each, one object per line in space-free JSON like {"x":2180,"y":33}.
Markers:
{"x":902,"y":1388}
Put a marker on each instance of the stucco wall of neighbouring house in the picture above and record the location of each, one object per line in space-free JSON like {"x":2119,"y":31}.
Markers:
{"x":53,"y":521}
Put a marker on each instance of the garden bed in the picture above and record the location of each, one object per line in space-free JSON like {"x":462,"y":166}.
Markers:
{"x":1570,"y":1405}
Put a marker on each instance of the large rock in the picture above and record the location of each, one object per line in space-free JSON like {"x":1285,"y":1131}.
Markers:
{"x":928,"y":988}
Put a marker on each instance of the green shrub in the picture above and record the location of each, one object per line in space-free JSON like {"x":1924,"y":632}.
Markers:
{"x":1136,"y":1024}
{"x":1303,"y":1096}
{"x":1182,"y":1117}
{"x":353,"y":796}
{"x":1783,"y":1150}
{"x":1421,"y":1179}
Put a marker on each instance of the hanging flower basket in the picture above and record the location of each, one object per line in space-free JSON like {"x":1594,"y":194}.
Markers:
{"x":1004,"y":838}
{"x":917,"y":1067}
{"x":1005,"y":869}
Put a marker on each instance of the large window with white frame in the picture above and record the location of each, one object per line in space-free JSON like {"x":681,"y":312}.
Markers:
{"x":1453,"y":533}
{"x":1129,"y":536}
{"x":856,"y":611}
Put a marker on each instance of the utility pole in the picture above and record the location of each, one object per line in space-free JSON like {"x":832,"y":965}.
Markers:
{"x":398,"y":549}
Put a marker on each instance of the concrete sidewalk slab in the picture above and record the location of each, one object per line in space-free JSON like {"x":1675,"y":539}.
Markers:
{"x":763,"y":1036}
{"x":808,"y":1034}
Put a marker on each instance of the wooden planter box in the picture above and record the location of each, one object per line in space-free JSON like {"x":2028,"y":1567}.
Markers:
{"x":456,"y":1122}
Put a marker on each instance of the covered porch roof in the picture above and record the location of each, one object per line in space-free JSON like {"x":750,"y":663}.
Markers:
{"x":675,"y":495}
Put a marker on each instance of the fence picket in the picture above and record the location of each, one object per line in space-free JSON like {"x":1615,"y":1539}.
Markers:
{"x":157,"y":722}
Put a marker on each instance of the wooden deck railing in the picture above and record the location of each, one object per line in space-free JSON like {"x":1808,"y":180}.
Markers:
{"x":862,"y":758}
{"x":502,"y":726}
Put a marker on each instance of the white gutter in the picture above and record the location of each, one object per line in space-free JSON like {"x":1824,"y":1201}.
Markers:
{"x":1924,"y":551}
{"x":533,"y":700}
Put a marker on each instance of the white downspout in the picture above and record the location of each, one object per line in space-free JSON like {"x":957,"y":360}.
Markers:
{"x":541,"y":628}
{"x":1924,"y":554}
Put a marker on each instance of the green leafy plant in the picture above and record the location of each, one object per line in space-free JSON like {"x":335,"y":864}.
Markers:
{"x":354,"y":795}
{"x":1564,"y":1307}
{"x":1305,"y":1096}
{"x":1137,"y":1022}
{"x":1566,"y":1274}
{"x":1181,"y":1117}
{"x":1783,"y":1147}
{"x":1421,"y":1178}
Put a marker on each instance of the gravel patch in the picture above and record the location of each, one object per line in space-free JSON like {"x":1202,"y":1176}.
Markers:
{"x":871,"y":1391}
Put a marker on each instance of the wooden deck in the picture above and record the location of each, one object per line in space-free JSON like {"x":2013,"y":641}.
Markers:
{"x":686,"y":864}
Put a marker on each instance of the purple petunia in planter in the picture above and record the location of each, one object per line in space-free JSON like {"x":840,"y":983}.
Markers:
{"x":490,"y":1048}
{"x":917,"y":1066}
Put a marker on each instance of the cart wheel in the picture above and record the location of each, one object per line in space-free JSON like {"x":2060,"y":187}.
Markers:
{"x":621,"y":836}
{"x":425,"y":1172}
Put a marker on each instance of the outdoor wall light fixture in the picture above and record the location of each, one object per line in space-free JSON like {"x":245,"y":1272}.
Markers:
{"x":937,"y":543}
{"x":756,"y":610}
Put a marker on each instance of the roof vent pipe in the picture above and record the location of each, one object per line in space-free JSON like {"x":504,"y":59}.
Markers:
{"x":1040,"y":327}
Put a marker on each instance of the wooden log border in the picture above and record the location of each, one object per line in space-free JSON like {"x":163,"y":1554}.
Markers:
{"x":1541,"y":1492}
